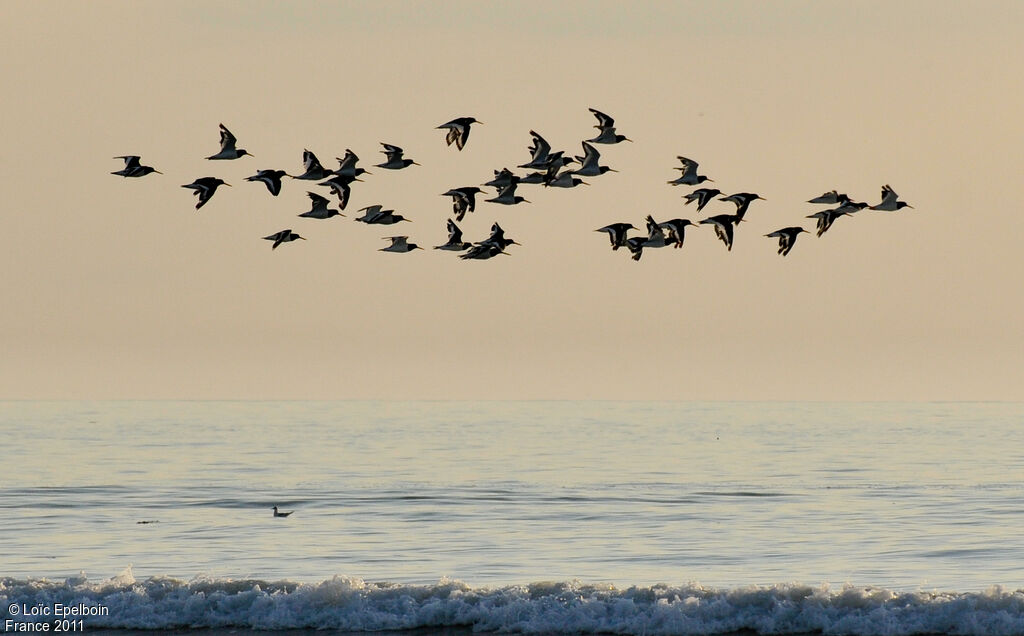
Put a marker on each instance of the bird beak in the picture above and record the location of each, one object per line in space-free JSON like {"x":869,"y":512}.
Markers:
{"x":612,"y":170}
{"x":303,"y":238}
{"x":227,"y":184}
{"x":627,"y":139}
{"x":158,"y":172}
{"x":911,"y":207}
{"x":416,"y":164}
{"x":584,"y":183}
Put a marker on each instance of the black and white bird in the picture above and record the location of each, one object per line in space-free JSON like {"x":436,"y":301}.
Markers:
{"x":566,"y":179}
{"x":702,"y":196}
{"x":826,"y":218}
{"x":689,"y":174}
{"x":204,"y":188}
{"x":502,"y":179}
{"x":832,"y":197}
{"x":742,"y":201}
{"x":458,"y":130}
{"x":347,"y":166}
{"x":341,"y":185}
{"x":676,"y":229}
{"x":227,"y":146}
{"x":463,"y":200}
{"x":539,"y":152}
{"x":606,"y":128}
{"x":377,"y":215}
{"x":508,"y":196}
{"x":396,"y":160}
{"x":278,"y":513}
{"x":270,"y":178}
{"x":399,"y":244}
{"x":655,"y":234}
{"x":635,"y":245}
{"x":589,"y":163}
{"x":889,"y":201}
{"x":787,"y":237}
{"x":284,"y":236}
{"x":724,"y":225}
{"x":319,"y":209}
{"x":617,"y":233}
{"x":455,"y":242}
{"x":494,"y":245}
{"x":132,"y":167}
{"x":313,"y":169}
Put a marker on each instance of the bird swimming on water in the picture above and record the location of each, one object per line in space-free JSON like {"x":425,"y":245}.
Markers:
{"x":270,"y":178}
{"x":463,"y":200}
{"x":278,"y":513}
{"x":227,"y":146}
{"x":396,"y":160}
{"x":319,"y":210}
{"x":284,"y":236}
{"x":787,"y":237}
{"x":458,"y":130}
{"x":889,"y":201}
{"x":399,"y":244}
{"x":617,"y":233}
{"x":132,"y":167}
{"x":204,"y":188}
{"x":606,"y":126}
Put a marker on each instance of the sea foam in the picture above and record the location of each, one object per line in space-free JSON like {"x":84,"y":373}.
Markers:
{"x":571,"y":607}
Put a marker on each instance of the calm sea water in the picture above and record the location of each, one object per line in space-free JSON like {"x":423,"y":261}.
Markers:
{"x":780,"y":496}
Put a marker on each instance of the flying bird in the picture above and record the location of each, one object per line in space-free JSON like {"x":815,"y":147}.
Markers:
{"x":132,"y":167}
{"x":502,"y":179}
{"x":399,"y":244}
{"x":889,"y":201}
{"x":702,"y":196}
{"x":617,"y":233}
{"x":313,"y":169}
{"x":284,"y":236}
{"x":724,"y":225}
{"x":455,"y":242}
{"x":742,"y":201}
{"x":204,"y":188}
{"x":787,"y":237}
{"x":589,"y":163}
{"x":319,"y":209}
{"x":606,"y":126}
{"x":463,"y":200}
{"x":675,"y":228}
{"x":827,"y":217}
{"x":341,"y":185}
{"x":227,"y":146}
{"x":655,"y":234}
{"x":508,"y":196}
{"x":347,"y":165}
{"x":270,"y":178}
{"x":539,"y":152}
{"x":458,"y":130}
{"x":689,"y":174}
{"x":564,"y":180}
{"x":377,"y":215}
{"x":396,"y":160}
{"x":831,"y":197}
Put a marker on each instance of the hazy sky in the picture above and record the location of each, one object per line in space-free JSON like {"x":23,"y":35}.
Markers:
{"x":118,"y":288}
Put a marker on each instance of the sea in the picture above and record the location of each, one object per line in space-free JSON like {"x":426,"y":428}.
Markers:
{"x":426,"y":517}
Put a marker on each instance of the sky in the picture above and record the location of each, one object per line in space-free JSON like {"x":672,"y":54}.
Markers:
{"x":118,"y":288}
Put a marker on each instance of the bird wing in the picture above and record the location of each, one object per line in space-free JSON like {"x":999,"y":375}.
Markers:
{"x":310,"y":162}
{"x":689,"y":166}
{"x":391,"y":150}
{"x":318,"y":201}
{"x":540,"y":147}
{"x":130,"y":161}
{"x":454,"y":233}
{"x":603,"y":121}
{"x":590,"y":156}
{"x":227,"y":140}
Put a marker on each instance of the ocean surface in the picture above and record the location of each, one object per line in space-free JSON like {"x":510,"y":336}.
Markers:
{"x":523,"y":517}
